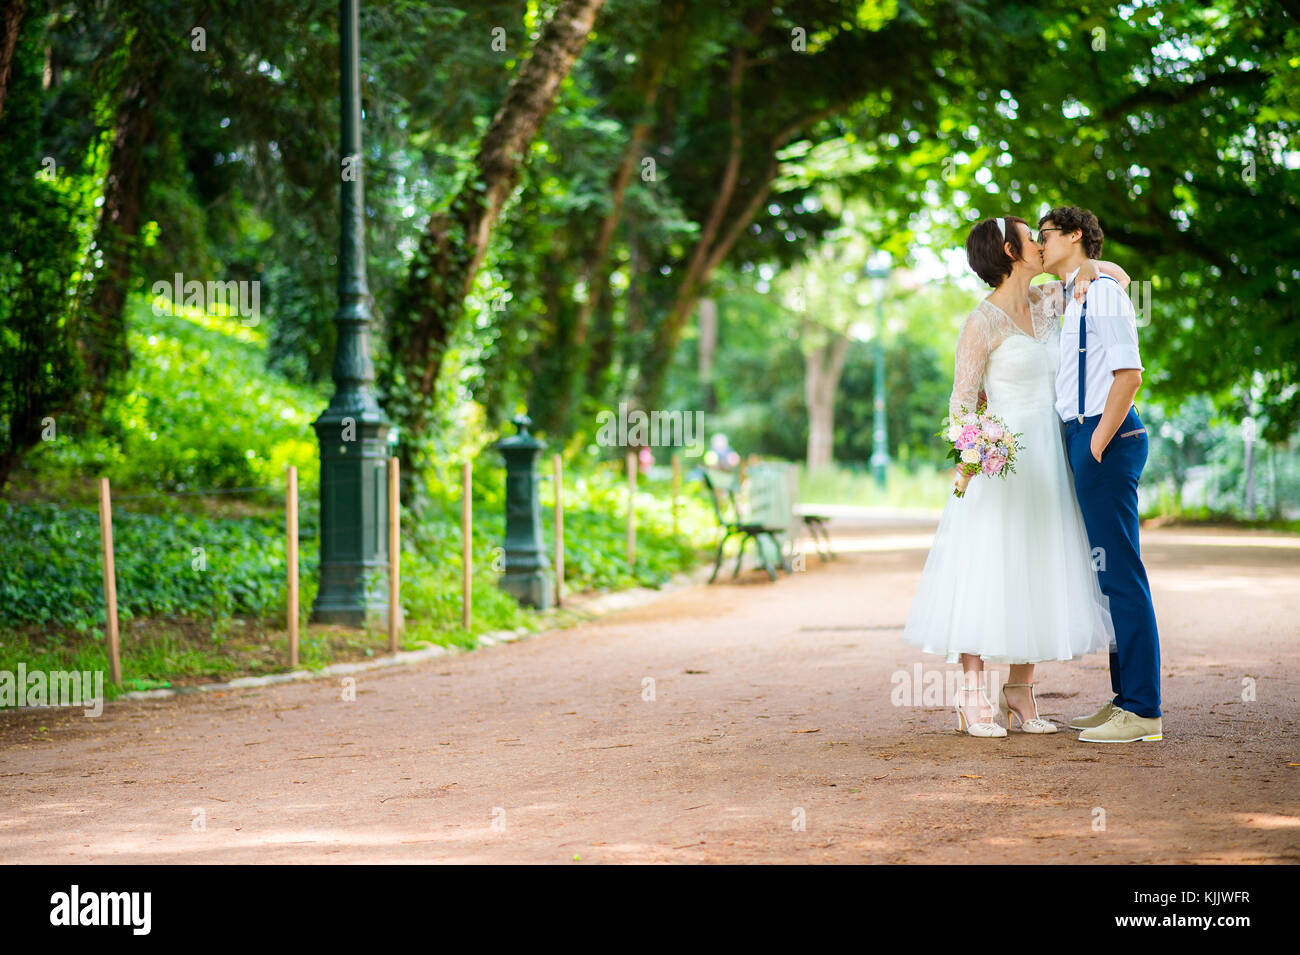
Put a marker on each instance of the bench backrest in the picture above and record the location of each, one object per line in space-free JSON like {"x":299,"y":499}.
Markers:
{"x":773,"y":493}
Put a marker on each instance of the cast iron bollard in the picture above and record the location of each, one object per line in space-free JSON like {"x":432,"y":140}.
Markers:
{"x":527,"y":575}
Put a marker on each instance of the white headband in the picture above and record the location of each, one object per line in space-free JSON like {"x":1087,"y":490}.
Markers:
{"x":1002,"y":226}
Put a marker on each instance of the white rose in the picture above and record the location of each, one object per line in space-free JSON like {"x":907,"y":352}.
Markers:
{"x":954,"y":432}
{"x":970,"y":456}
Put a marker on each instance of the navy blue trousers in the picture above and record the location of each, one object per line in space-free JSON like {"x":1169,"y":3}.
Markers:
{"x":1107,"y":495}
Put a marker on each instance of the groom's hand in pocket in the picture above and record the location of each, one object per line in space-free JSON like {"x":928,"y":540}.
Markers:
{"x":1096,"y":447}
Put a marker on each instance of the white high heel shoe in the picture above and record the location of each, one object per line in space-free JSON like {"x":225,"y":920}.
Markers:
{"x":1031,"y":725}
{"x":988,"y":729}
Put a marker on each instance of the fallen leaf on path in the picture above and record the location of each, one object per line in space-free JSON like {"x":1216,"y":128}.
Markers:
{"x":970,"y":776}
{"x":806,"y":731}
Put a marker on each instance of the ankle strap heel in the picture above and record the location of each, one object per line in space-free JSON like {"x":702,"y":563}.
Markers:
{"x":1032,"y":725}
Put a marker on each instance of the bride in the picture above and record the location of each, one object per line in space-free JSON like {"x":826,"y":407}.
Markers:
{"x":1009,"y":577}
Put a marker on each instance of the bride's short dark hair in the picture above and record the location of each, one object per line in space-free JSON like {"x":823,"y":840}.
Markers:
{"x":984,"y":249}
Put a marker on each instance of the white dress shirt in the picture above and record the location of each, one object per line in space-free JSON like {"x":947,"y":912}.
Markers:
{"x":1112,"y":345}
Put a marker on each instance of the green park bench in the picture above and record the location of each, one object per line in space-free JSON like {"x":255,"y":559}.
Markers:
{"x":815,"y":523}
{"x":769,"y":514}
{"x":720,"y":483}
{"x":774,"y":500}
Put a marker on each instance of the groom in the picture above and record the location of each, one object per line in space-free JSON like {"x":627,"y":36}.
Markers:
{"x":1099,"y":374}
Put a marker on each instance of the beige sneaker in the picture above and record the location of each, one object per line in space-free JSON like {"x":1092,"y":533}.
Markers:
{"x":1124,"y":727}
{"x":1096,"y":719}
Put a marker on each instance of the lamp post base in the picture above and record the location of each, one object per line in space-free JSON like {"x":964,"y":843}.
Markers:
{"x":531,"y":590}
{"x":344,"y":600}
{"x":354,"y":519}
{"x":879,"y":469}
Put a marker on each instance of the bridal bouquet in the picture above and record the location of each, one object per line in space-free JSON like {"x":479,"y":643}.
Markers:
{"x":981,"y":444}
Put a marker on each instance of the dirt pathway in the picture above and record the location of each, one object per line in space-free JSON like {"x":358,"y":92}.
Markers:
{"x":771,"y":707}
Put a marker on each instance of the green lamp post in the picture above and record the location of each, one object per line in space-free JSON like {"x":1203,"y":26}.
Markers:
{"x":878,"y":271}
{"x":527,"y":576}
{"x":353,"y":431}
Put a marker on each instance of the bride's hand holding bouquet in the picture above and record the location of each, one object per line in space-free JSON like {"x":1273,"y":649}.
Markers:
{"x":981,"y":444}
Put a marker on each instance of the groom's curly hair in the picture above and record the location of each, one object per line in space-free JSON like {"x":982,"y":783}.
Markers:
{"x":985,"y":253}
{"x":1073,"y":219}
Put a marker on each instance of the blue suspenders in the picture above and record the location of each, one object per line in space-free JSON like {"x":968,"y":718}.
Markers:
{"x":1083,"y":348}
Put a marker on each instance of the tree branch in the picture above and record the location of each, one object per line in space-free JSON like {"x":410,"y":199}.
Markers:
{"x":1172,"y":95}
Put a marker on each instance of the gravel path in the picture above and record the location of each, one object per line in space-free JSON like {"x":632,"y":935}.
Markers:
{"x":767,"y":734}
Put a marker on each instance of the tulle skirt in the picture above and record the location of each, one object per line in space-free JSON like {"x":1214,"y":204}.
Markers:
{"x":1010,"y":574}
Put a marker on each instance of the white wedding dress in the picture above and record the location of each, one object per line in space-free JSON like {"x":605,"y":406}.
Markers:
{"x":1010,"y":574}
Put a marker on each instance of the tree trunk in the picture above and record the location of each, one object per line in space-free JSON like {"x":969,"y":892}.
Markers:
{"x":598,"y":267}
{"x":552,"y":350}
{"x":455,"y":241}
{"x":713,"y":246}
{"x":823,"y":366}
{"x":103,"y":328}
{"x":601,"y":353}
{"x":708,"y":316}
{"x":11,"y":20}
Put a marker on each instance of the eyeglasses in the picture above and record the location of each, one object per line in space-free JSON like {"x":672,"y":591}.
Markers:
{"x":1042,"y":233}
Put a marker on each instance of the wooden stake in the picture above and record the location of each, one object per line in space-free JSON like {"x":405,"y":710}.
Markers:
{"x":559,"y":532}
{"x":677,"y":487}
{"x":291,"y":550}
{"x":631,"y":508}
{"x":466,"y":505}
{"x":110,"y":582}
{"x":394,"y":555}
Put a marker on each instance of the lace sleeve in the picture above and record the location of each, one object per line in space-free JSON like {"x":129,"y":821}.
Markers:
{"x":973,"y":348}
{"x":1050,"y":296}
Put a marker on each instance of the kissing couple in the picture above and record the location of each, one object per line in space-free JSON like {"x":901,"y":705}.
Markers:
{"x":1044,"y":563}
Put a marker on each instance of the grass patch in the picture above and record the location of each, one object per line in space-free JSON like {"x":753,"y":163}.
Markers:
{"x":1204,"y":517}
{"x":906,"y":486}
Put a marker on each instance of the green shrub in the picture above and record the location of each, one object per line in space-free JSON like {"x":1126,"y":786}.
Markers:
{"x":174,"y":565}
